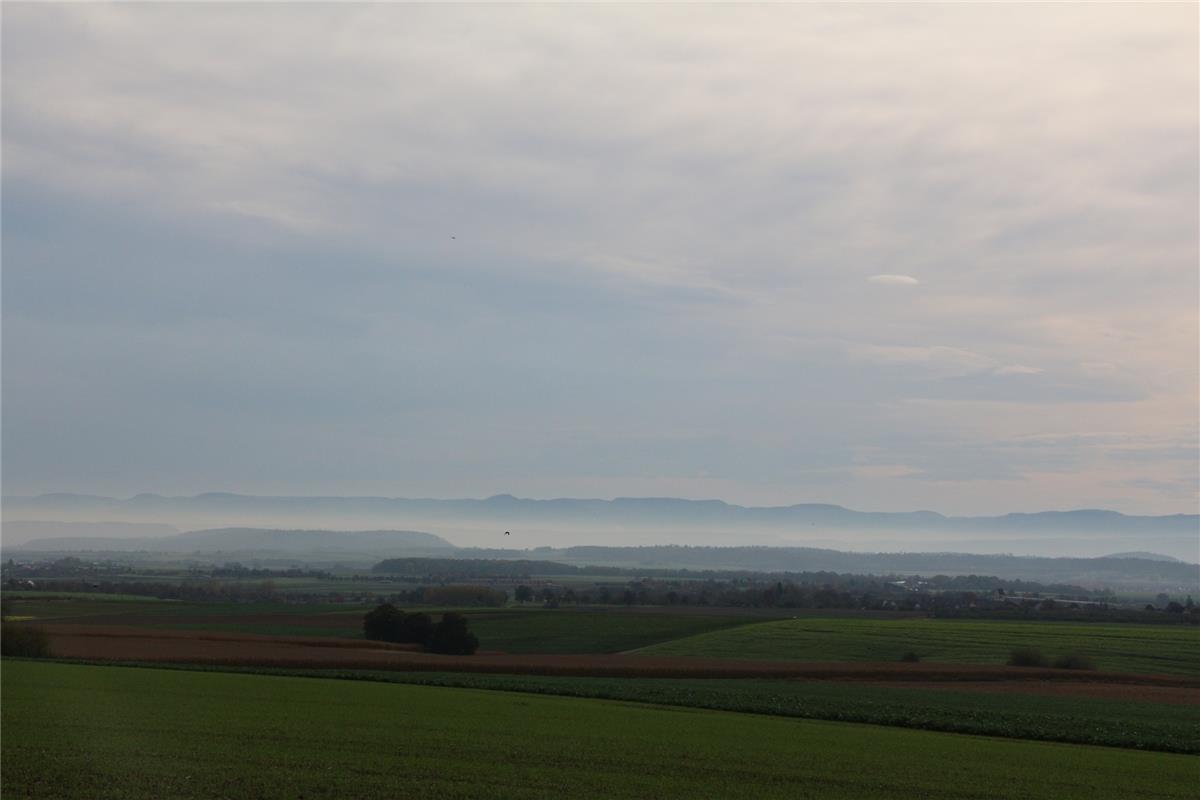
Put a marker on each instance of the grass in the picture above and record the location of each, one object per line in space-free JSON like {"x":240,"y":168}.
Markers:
{"x":588,"y":631}
{"x":1171,"y":649}
{"x":74,"y":731}
{"x":1081,"y":720}
{"x":1111,"y":722}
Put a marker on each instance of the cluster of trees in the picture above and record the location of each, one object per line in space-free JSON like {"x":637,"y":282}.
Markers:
{"x":66,"y":567}
{"x":454,"y":568}
{"x":20,"y":640}
{"x":237,"y":570}
{"x":1165,"y":602}
{"x":856,"y":593}
{"x":774,"y":594}
{"x":386,"y":623}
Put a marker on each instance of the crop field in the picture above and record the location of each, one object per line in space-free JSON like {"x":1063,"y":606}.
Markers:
{"x":533,"y":630}
{"x":1167,"y":725}
{"x":34,"y":596}
{"x":589,"y":631}
{"x":1116,"y":715}
{"x":331,"y":619}
{"x":74,"y":731}
{"x":1173,"y":649}
{"x":135,"y":609}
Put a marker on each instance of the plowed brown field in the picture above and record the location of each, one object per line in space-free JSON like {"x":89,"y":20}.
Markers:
{"x":1177,"y":695}
{"x":118,"y":643}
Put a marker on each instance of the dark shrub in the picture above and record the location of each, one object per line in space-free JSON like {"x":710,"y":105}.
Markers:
{"x":1074,"y":661}
{"x":416,"y":628}
{"x":451,"y":636}
{"x":1027,"y":657}
{"x":910,"y":657}
{"x":384,"y":623}
{"x":22,"y":640}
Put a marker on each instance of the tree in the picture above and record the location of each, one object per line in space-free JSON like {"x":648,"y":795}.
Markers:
{"x":416,"y":628}
{"x":523,"y":594}
{"x":383,"y":624}
{"x":451,"y":636}
{"x":22,"y":640}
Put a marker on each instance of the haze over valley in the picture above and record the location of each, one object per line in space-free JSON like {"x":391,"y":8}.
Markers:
{"x":566,"y":522}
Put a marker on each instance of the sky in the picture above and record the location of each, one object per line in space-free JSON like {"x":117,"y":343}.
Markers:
{"x":887,"y":256}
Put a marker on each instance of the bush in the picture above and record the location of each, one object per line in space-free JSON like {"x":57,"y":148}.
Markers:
{"x":22,"y":640}
{"x":1027,"y":657}
{"x":910,"y":657}
{"x":1074,"y":661}
{"x":383,"y":624}
{"x":451,"y":636}
{"x":416,"y":628}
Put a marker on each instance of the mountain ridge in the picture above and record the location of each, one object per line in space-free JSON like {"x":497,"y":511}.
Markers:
{"x":649,"y":506}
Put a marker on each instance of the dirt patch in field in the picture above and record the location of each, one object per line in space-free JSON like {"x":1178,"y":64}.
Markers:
{"x":73,"y":637}
{"x":206,"y":647}
{"x":1174,"y":695}
{"x":350,"y":622}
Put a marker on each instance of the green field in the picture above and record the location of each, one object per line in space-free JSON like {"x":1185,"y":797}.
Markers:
{"x":1167,"y":649}
{"x":1082,"y":720}
{"x":587,"y":630}
{"x":1137,"y":724}
{"x":1173,"y":649}
{"x":74,"y":731}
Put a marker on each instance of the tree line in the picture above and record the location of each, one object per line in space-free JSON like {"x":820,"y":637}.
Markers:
{"x":386,"y":623}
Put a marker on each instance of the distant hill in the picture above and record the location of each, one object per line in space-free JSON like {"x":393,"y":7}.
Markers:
{"x":399,"y":548}
{"x":637,"y":520}
{"x":1091,"y":572}
{"x":1147,"y":556}
{"x":622,"y":509}
{"x":256,"y":540}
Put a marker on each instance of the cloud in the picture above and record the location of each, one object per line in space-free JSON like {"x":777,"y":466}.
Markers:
{"x":894,"y":280}
{"x":939,"y":360}
{"x":661,"y":217}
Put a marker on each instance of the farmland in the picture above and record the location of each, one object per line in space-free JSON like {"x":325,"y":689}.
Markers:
{"x":581,"y":631}
{"x":1142,"y":717}
{"x":1168,"y":722}
{"x":640,"y":686}
{"x":706,"y":633}
{"x":516,"y":630}
{"x":1118,"y":647}
{"x":189,"y":734}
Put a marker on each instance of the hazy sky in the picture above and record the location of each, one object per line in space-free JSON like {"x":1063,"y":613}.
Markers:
{"x":891,"y":257}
